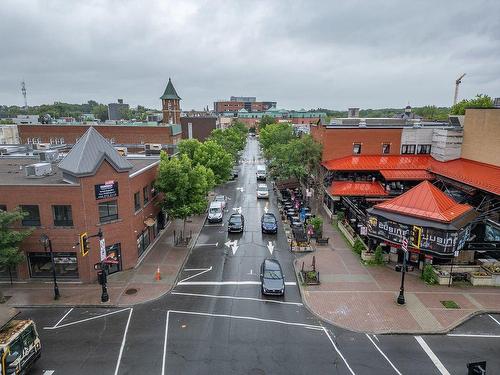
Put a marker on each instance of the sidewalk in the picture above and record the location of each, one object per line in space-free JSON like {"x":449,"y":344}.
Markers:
{"x":363,"y":298}
{"x":125,"y":288}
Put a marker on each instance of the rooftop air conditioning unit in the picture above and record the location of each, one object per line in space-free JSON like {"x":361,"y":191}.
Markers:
{"x":41,"y":146}
{"x":152,"y":148}
{"x":49,"y":156}
{"x":38,"y":169}
{"x":362,"y":123}
{"x":417,"y":123}
{"x":122,"y":151}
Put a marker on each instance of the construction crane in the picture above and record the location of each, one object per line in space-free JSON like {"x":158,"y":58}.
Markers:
{"x":457,"y":83}
{"x":23,"y":90}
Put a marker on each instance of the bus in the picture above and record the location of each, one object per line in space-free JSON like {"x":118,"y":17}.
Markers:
{"x":20,"y":345}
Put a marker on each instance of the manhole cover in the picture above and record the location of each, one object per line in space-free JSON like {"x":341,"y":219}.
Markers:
{"x":131,"y":291}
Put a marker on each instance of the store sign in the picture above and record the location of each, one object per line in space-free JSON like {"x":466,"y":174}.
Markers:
{"x":431,"y":239}
{"x":107,"y":190}
{"x":64,"y":260}
{"x":102,"y":248}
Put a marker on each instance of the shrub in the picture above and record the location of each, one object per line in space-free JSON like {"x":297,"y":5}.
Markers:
{"x":340,"y":216}
{"x":358,"y":246}
{"x":317,"y":224}
{"x":428,"y":275}
{"x":379,"y":255}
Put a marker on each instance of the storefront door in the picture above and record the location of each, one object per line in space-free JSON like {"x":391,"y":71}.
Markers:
{"x":114,"y":253}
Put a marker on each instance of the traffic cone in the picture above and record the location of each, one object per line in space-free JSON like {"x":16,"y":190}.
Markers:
{"x":157,"y":274}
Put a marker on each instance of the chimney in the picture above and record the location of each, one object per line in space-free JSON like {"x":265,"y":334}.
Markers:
{"x":120,"y":101}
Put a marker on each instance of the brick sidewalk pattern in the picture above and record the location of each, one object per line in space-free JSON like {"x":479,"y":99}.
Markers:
{"x":163,"y":254}
{"x":363,"y":298}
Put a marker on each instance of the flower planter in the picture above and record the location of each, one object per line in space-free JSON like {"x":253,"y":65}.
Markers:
{"x":367,"y":256}
{"x":481,"y":280}
{"x":443,"y":277}
{"x":307,"y":277}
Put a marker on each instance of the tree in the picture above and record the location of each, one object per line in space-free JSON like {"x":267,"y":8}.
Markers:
{"x":274,"y":134}
{"x":266,"y":120}
{"x":185,"y":186}
{"x":100,"y":111}
{"x":211,"y":155}
{"x":480,"y":101}
{"x":10,"y":256}
{"x":232,"y":139}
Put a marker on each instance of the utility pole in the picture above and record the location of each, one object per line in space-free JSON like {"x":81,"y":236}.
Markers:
{"x":23,"y":90}
{"x":457,"y":83}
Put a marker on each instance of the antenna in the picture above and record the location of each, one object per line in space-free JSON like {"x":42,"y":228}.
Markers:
{"x":23,"y":90}
{"x":457,"y":83}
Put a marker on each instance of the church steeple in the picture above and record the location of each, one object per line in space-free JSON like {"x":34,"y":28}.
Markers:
{"x":171,"y":105}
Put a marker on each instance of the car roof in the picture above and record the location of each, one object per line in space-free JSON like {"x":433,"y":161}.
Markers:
{"x":271,"y":264}
{"x":220,"y":197}
{"x":215,"y":204}
{"x":262,"y":185}
{"x":235,"y":215}
{"x":269,"y":214}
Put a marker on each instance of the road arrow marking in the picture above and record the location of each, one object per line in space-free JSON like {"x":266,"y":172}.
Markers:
{"x":240,"y":189}
{"x":230,"y":243}
{"x":251,"y":272}
{"x":270,"y":247}
{"x":235,"y":247}
{"x":237,"y":209}
{"x":265,"y":208}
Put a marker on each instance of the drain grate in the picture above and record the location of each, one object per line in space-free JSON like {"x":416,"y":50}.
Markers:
{"x":131,"y":291}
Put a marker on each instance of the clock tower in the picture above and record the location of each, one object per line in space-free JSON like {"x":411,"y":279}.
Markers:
{"x":171,"y":105}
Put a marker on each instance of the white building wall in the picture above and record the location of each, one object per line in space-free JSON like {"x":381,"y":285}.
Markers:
{"x":9,"y":134}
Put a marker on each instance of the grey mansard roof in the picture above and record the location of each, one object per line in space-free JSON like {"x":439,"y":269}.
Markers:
{"x":89,"y":152}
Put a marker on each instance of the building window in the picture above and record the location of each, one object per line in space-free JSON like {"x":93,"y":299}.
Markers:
{"x":52,"y":141}
{"x":108,"y":211}
{"x":407,"y":149}
{"x":154,"y":192}
{"x":356,"y":149}
{"x":142,"y":242}
{"x":145,"y":192}
{"x":32,"y":219}
{"x":3,"y":207}
{"x":137,"y":201}
{"x":62,"y":216}
{"x":66,"y":264}
{"x":424,"y":149}
{"x":386,"y":148}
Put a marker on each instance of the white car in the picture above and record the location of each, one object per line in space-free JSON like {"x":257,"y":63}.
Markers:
{"x":262,"y":191}
{"x":222,"y":199}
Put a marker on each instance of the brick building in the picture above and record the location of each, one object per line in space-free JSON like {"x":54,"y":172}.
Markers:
{"x":92,"y":188}
{"x":198,"y":127}
{"x":236,"y":103}
{"x":170,"y":103}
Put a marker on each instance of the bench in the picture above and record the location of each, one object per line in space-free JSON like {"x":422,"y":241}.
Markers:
{"x":322,"y":241}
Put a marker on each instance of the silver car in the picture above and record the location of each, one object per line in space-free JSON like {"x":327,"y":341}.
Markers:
{"x":262,"y":191}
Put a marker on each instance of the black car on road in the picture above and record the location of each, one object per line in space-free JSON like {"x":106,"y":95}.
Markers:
{"x":236,"y":223}
{"x":271,"y":278}
{"x":268,"y":223}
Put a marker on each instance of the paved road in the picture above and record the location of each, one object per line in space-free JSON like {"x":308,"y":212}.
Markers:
{"x":215,"y":321}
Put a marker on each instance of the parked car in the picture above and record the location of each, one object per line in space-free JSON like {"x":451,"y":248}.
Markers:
{"x":215,"y":212}
{"x":271,"y":278}
{"x":236,"y":223}
{"x":261,"y":173}
{"x":262,"y":191}
{"x":222,"y":199}
{"x":268,"y":223}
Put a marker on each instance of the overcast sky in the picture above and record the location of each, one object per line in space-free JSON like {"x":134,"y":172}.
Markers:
{"x":302,"y":54}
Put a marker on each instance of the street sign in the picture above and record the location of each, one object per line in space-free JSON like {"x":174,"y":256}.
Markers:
{"x":405,"y":244}
{"x":102,"y":246}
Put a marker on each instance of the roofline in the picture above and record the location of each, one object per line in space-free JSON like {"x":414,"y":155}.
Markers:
{"x":57,"y":185}
{"x":149,"y":166}
{"x":96,"y":168}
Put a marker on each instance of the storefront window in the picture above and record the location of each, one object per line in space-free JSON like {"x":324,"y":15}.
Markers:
{"x":114,"y":252}
{"x":41,"y":266}
{"x":143,"y":242}
{"x":137,"y":201}
{"x":145,"y":192}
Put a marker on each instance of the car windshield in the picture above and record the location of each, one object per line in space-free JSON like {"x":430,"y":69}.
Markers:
{"x":262,"y":188}
{"x":269,"y":219}
{"x":272,"y":274}
{"x":214,"y":210}
{"x":219,"y":198}
{"x":235,"y":220}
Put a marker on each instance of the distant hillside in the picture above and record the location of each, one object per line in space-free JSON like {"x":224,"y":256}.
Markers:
{"x":428,"y":112}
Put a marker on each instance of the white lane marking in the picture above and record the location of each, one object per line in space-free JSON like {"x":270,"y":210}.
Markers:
{"x":237,"y":298}
{"x":65,"y":315}
{"x":86,"y":320}
{"x":270,"y":247}
{"x":194,"y":269}
{"x":214,"y":225}
{"x":338,"y":351}
{"x":227,"y":283}
{"x":383,"y":354}
{"x":123,"y":342}
{"x":496,"y":321}
{"x":48,"y":372}
{"x":472,"y":335}
{"x":432,"y":356}
{"x":197,"y":274}
{"x":319,"y":328}
{"x":207,"y":244}
{"x":165,"y":345}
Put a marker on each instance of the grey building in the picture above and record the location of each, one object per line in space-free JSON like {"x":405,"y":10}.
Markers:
{"x":116,"y":110}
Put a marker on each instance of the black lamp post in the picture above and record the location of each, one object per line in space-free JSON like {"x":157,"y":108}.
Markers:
{"x":401,"y":297}
{"x":46,"y":242}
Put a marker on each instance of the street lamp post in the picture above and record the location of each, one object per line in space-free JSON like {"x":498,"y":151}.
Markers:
{"x":401,"y":297}
{"x":46,"y":242}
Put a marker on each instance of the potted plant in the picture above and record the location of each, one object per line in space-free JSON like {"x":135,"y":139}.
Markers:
{"x":317,"y":224}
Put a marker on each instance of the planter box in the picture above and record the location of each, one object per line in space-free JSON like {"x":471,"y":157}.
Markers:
{"x":367,"y":256}
{"x":443,"y":279}
{"x":303,"y":280}
{"x":481,"y":280}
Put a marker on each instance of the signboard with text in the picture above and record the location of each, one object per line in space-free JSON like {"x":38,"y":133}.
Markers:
{"x":107,"y":190}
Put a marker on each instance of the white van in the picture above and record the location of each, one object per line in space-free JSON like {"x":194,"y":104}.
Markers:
{"x":215,"y":212}
{"x":261,"y":173}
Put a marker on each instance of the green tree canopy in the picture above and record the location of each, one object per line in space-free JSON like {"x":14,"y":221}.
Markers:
{"x":266,"y":120}
{"x":100,"y":111}
{"x":184,"y":185}
{"x":274,"y":134}
{"x":232,"y":139}
{"x":10,"y":239}
{"x":480,"y":101}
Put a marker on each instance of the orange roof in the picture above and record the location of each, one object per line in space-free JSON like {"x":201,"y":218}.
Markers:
{"x":482,"y":176}
{"x":425,"y":201}
{"x":378,"y":162}
{"x":359,"y":188}
{"x":406,"y":174}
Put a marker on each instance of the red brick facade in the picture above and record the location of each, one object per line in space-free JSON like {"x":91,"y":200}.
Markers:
{"x":201,"y":127}
{"x":122,"y":134}
{"x":85,"y":214}
{"x":339,"y":142}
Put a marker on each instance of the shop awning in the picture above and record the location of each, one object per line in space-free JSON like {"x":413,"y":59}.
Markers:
{"x":358,"y":188}
{"x":425,"y":201}
{"x":406,"y":175}
{"x":377,"y":163}
{"x":149,"y":222}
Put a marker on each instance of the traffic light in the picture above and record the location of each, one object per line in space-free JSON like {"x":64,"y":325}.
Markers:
{"x":416,"y":236}
{"x":84,"y":243}
{"x":7,"y":361}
